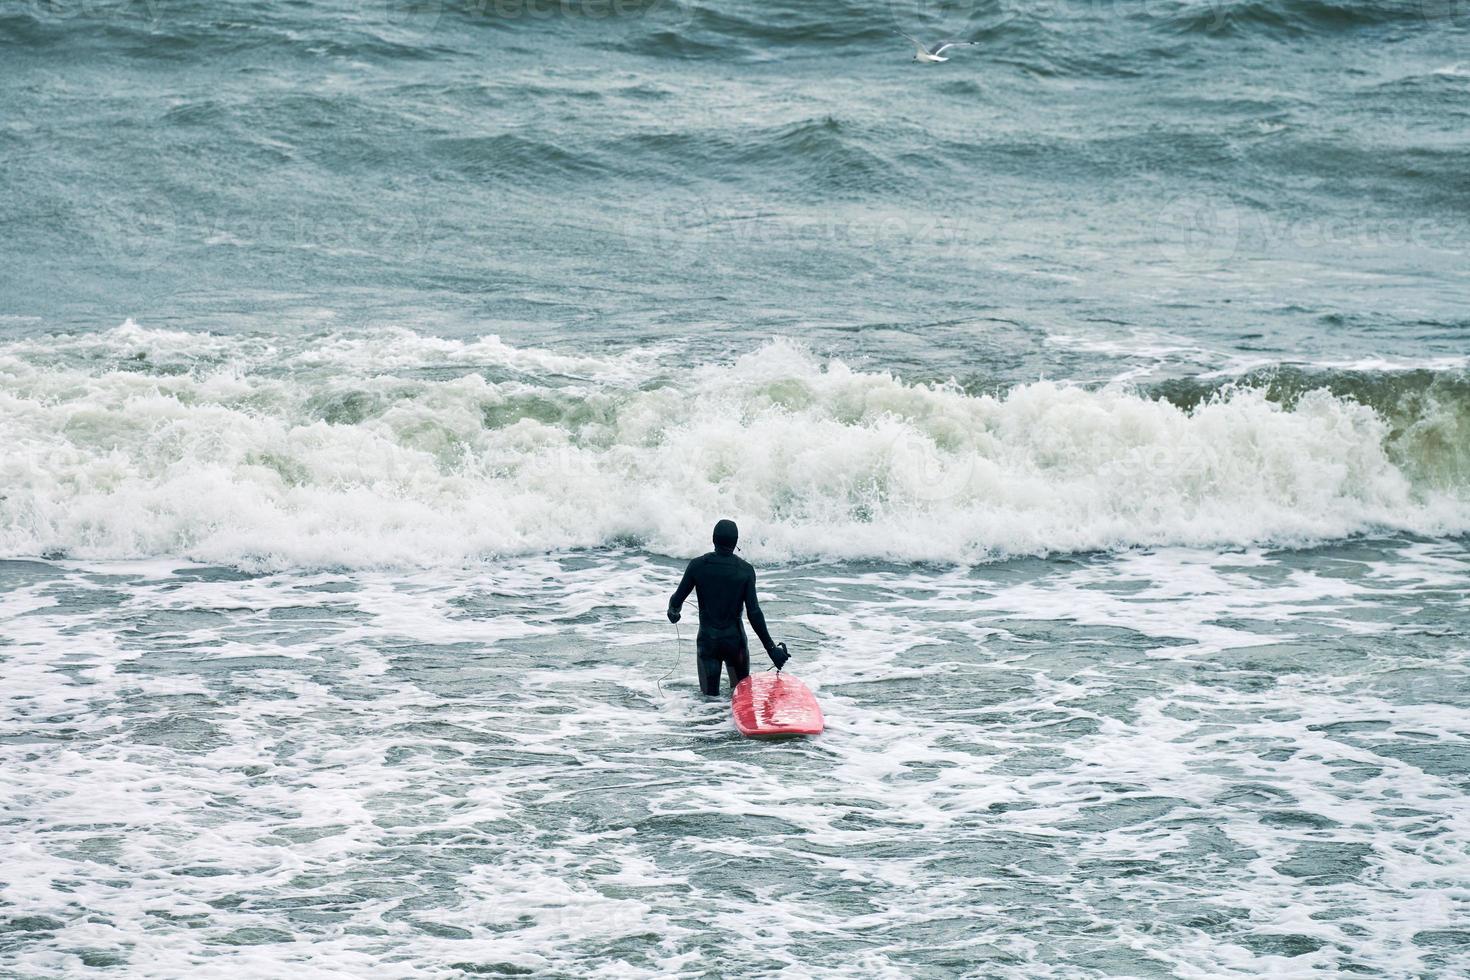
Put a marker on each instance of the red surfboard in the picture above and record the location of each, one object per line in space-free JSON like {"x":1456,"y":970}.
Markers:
{"x":775,"y":704}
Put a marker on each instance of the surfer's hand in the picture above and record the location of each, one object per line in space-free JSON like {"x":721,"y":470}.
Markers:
{"x":674,"y":615}
{"x":778,"y":655}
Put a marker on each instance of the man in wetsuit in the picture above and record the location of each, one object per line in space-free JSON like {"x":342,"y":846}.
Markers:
{"x":725,"y":585}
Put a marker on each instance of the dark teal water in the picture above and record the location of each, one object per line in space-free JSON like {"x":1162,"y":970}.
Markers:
{"x":1093,"y":404}
{"x":1278,"y":179}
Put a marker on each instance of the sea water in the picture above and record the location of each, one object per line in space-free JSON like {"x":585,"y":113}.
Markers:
{"x":1094,"y":408}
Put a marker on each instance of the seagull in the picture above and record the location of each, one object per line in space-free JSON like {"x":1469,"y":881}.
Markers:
{"x":933,"y":54}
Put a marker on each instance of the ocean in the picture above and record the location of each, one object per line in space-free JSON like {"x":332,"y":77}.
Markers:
{"x":1095,"y":407}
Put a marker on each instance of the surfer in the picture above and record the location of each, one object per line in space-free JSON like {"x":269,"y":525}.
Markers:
{"x":725,"y":584}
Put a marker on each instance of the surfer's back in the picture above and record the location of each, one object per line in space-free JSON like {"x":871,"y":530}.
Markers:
{"x":722,"y":581}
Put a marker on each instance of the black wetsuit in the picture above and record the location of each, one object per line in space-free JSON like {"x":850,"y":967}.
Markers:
{"x":726,"y":586}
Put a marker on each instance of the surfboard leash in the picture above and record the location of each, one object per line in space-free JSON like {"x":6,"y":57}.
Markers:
{"x":678,"y":645}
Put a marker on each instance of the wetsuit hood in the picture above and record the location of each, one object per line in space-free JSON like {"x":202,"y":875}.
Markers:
{"x":726,"y":534}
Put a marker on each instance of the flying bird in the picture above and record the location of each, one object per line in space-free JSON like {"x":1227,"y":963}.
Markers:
{"x":933,"y":54}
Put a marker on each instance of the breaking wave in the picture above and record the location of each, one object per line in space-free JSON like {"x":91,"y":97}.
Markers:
{"x":391,"y":448}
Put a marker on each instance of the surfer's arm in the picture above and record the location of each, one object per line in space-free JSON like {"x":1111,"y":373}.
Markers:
{"x":686,"y":585}
{"x":754,"y":614}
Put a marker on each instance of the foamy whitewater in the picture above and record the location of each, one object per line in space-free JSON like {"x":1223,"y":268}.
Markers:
{"x":395,"y":449}
{"x":342,"y":653}
{"x":1095,"y":408}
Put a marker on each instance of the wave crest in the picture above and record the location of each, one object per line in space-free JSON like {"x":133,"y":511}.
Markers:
{"x":399,"y":449}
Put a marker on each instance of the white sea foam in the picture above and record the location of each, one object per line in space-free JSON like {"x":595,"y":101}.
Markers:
{"x":1232,"y":765}
{"x":389,"y":448}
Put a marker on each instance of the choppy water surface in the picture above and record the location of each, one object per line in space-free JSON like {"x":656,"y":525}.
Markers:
{"x":1280,"y":176}
{"x":339,"y":653}
{"x":1095,"y":408}
{"x":1170,"y":763}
